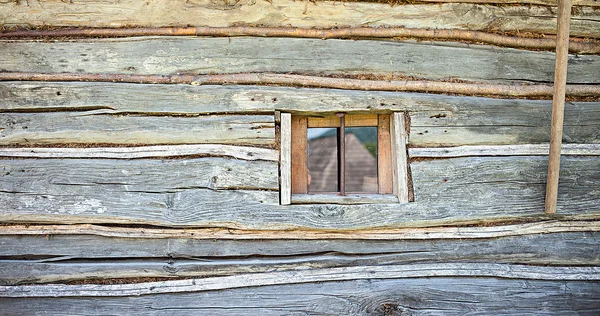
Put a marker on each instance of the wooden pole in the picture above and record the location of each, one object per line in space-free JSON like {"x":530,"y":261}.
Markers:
{"x":558,"y":104}
{"x":548,"y":42}
{"x":291,"y":80}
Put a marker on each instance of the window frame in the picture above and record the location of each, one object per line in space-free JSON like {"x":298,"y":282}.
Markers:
{"x":392,"y":168}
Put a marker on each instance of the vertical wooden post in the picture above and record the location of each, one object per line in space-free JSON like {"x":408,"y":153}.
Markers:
{"x":384,"y":155}
{"x":399,"y":157}
{"x":299,"y":159}
{"x":285,"y":166}
{"x":558,"y":103}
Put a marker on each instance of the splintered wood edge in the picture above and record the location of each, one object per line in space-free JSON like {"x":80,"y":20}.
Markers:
{"x":424,"y":233}
{"x":509,"y":271}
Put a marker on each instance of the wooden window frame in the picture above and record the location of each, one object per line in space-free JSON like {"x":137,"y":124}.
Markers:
{"x":392,"y":164}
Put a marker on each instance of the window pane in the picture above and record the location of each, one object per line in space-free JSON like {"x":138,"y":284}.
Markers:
{"x":322,"y":160}
{"x":361,"y":159}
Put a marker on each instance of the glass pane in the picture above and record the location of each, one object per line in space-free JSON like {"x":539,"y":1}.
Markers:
{"x":322,"y":160}
{"x":361,"y":159}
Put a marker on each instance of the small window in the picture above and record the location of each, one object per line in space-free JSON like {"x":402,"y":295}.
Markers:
{"x":343,"y":158}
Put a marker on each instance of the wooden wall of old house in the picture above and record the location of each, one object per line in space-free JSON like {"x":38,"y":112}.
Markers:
{"x":167,"y":195}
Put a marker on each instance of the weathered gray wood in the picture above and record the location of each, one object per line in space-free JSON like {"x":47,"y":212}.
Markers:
{"x":322,"y":14}
{"x":167,"y":151}
{"x":459,"y":190}
{"x":90,"y":128}
{"x":509,"y":124}
{"x":502,"y":150}
{"x":171,"y":55}
{"x":417,"y":233}
{"x":345,"y":199}
{"x":65,"y":176}
{"x":306,"y":276}
{"x":285,"y":151}
{"x":418,"y":296}
{"x":437,"y":120}
{"x":60,"y":258}
{"x":399,"y":139}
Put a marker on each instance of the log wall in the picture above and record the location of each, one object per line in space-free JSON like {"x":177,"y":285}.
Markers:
{"x":167,"y":195}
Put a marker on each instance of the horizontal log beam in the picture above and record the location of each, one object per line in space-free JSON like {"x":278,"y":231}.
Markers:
{"x":166,"y":151}
{"x":501,"y":150}
{"x":576,"y":46}
{"x":427,"y":86}
{"x":101,"y":129}
{"x":419,"y":233}
{"x":521,"y":16}
{"x":516,"y":181}
{"x":122,"y":59}
{"x":440,"y":295}
{"x":315,"y":275}
{"x":63,"y":258}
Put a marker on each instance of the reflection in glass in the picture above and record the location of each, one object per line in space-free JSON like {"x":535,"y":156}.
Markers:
{"x":361,"y":159}
{"x":322,"y":160}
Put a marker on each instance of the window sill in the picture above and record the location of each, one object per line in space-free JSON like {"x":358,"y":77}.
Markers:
{"x":346,"y":199}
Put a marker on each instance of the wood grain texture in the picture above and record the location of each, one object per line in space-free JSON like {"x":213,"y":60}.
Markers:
{"x":299,"y":154}
{"x":385,"y":177}
{"x":97,"y":128}
{"x":348,"y":198}
{"x":503,"y":150}
{"x":437,"y":120}
{"x":166,"y":151}
{"x":399,"y":139}
{"x":60,"y":258}
{"x":445,"y":192}
{"x":285,"y":165}
{"x":420,"y":296}
{"x":323,"y":14}
{"x":213,"y":234}
{"x":59,"y":176}
{"x":523,"y":272}
{"x":190,"y":55}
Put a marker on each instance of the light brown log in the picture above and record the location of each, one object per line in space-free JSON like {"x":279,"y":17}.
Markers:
{"x":558,"y":104}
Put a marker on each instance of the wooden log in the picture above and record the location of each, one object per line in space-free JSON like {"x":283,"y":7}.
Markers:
{"x":445,"y":295}
{"x":523,"y":272}
{"x":187,"y":55}
{"x":166,"y":151}
{"x":56,"y":176}
{"x":437,"y":120}
{"x":61,"y":258}
{"x":215,"y":234}
{"x":324,"y":14}
{"x":576,"y":46}
{"x":503,"y":150}
{"x":88,"y":128}
{"x":516,"y":181}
